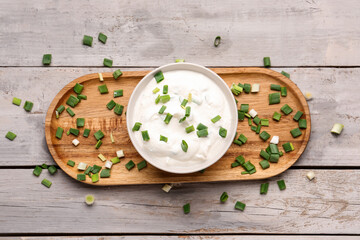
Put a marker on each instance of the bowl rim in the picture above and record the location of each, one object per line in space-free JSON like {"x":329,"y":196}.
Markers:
{"x":217,"y":80}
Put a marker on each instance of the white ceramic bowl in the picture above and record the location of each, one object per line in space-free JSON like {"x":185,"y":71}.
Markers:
{"x":130,"y":117}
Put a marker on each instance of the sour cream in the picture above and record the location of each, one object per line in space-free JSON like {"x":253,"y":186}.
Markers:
{"x":207,"y":102}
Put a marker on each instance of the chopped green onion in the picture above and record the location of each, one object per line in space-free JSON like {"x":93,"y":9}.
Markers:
{"x":184,"y":102}
{"x":264,"y":135}
{"x":237,"y":142}
{"x":117,"y":73}
{"x":156,"y":90}
{"x":184,"y":146}
{"x":37,"y":171}
{"x":46,"y":183}
{"x":95,"y":169}
{"x":52,"y":170}
{"x":87,"y":40}
{"x":86,"y":132}
{"x":165,"y":89}
{"x":46,"y":59}
{"x":257,"y":120}
{"x":275,"y":87}
{"x":102,"y":38}
{"x":187,"y":111}
{"x":98,"y":144}
{"x":189,"y":129}
{"x":281,"y":153}
{"x":224,"y":196}
{"x":235,"y":89}
{"x":255,"y":88}
{"x":248,"y":166}
{"x":168,"y":118}
{"x":108,"y":62}
{"x":274,"y":98}
{"x":59,"y":133}
{"x":267,"y":62}
{"x":80,"y":122}
{"x":241,"y":85}
{"x":247,"y":87}
{"x":136,"y":126}
{"x":281,"y":184}
{"x":72,"y":101}
{"x":241,"y":115}
{"x":179,"y":60}
{"x":157,"y":100}
{"x":70,"y":112}
{"x":264,"y":164}
{"x":240,"y":159}
{"x":240,"y":206}
{"x":130,"y":165}
{"x":80,"y":97}
{"x":10,"y":135}
{"x":162,"y":109}
{"x":264,"y":188}
{"x":81,"y":177}
{"x":60,"y":109}
{"x":16,"y":101}
{"x":89,"y":199}
{"x":102,"y":157}
{"x":244,"y":108}
{"x":103,"y":89}
{"x":105,"y":173}
{"x":68,"y":132}
{"x":264,"y":122}
{"x":186,"y":208}
{"x":310,"y":175}
{"x":115,"y":160}
{"x":28,"y":106}
{"x":296,"y":132}
{"x":222,"y":132}
{"x":235,"y":164}
{"x":101,"y":77}
{"x":141,"y":165}
{"x":274,"y":158}
{"x":247,"y":115}
{"x":159,"y":76}
{"x":118,"y":93}
{"x":189,"y":97}
{"x":274,"y":148}
{"x":165,"y":98}
{"x":215,"y":119}
{"x":298,"y":115}
{"x":78,"y":88}
{"x":95,"y":177}
{"x":258,"y":128}
{"x":283,"y":91}
{"x":249,"y":122}
{"x":74,"y":131}
{"x":217,"y":41}
{"x":242,"y":138}
{"x":285,"y":74}
{"x":88,"y":170}
{"x":111,"y":105}
{"x":288,"y":147}
{"x":253,"y":128}
{"x":118,"y":109}
{"x":264,"y":155}
{"x":202,"y":133}
{"x":337,"y":128}
{"x":276,"y":116}
{"x":201,"y":126}
{"x":286,"y":109}
{"x":302,"y":124}
{"x":71,"y":163}
{"x":145,"y":135}
{"x":163,"y":138}
{"x":44,"y":166}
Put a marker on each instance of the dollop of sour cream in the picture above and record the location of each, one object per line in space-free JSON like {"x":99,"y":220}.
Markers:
{"x":207,"y":102}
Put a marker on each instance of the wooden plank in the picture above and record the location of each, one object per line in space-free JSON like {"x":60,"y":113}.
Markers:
{"x":301,"y":33}
{"x":187,"y":237}
{"x":330,"y":204}
{"x":99,"y":117}
{"x":330,"y":87}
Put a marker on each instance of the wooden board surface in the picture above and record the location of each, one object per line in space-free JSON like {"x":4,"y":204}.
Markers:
{"x":328,"y":85}
{"x":98,"y":117}
{"x":187,"y":237}
{"x":328,"y":205}
{"x":141,"y":33}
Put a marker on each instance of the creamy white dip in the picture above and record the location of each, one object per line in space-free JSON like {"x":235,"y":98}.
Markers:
{"x":207,"y":102}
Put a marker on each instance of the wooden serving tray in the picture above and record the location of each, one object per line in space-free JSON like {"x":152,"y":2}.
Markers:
{"x":98,"y":117}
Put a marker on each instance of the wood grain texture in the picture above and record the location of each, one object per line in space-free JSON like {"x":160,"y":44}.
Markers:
{"x":187,"y":237}
{"x":98,"y":117}
{"x":328,"y":85}
{"x":141,"y":33}
{"x":330,"y":204}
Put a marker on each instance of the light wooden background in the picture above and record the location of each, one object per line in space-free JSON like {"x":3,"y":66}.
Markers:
{"x":317,"y":42}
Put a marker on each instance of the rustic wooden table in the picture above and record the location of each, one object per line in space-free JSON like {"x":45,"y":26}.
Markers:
{"x":317,"y":42}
